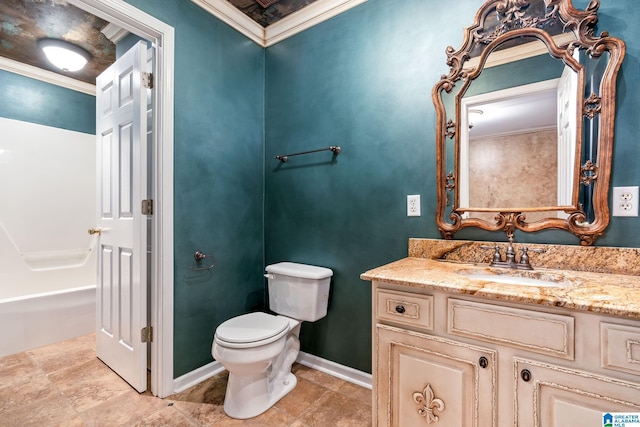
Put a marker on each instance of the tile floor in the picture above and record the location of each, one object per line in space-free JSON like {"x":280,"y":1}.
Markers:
{"x":66,"y":385}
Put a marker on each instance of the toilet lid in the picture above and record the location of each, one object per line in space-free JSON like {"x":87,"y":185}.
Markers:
{"x":251,"y":327}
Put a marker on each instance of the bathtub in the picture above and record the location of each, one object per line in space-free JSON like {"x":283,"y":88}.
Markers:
{"x":46,"y":318}
{"x":47,"y":258}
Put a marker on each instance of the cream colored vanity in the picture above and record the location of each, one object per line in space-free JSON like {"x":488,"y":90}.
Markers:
{"x":451,"y":350}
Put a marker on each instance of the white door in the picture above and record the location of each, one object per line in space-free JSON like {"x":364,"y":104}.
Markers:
{"x":121,"y":303}
{"x":567,"y":110}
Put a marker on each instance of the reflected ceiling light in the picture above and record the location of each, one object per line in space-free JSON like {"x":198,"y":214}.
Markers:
{"x":64,"y":55}
{"x":474,"y":111}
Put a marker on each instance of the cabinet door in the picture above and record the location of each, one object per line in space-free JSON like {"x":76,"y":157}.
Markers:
{"x":423,"y":380}
{"x":553,"y":396}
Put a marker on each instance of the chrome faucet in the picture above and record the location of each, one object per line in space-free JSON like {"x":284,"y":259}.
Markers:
{"x":510,"y":257}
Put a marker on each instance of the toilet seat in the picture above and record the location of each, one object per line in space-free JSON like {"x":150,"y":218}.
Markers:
{"x":251,"y":330}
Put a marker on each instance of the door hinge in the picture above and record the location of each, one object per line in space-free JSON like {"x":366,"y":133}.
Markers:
{"x":147,"y":80}
{"x":147,"y":207}
{"x":146,"y":334}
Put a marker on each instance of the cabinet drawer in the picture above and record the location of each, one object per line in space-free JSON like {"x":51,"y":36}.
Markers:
{"x":408,"y":309}
{"x":536,"y":331}
{"x":620,"y":347}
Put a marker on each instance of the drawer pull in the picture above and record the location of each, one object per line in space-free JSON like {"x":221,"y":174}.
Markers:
{"x":400,"y":309}
{"x":525,"y":374}
{"x":483,"y":362}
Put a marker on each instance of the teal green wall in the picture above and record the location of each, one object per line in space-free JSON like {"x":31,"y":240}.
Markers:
{"x":218,"y":161}
{"x":34,"y":101}
{"x":363,"y":80}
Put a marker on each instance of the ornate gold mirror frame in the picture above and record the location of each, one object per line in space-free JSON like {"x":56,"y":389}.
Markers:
{"x":500,"y":23}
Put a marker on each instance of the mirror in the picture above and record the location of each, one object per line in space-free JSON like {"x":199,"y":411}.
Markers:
{"x":525,"y":121}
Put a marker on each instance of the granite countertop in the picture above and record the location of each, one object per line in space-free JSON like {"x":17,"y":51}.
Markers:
{"x":596,"y":283}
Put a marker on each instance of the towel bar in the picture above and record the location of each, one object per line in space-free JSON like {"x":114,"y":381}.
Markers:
{"x":335,"y":149}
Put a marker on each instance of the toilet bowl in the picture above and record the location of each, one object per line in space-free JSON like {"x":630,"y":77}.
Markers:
{"x":258,"y":349}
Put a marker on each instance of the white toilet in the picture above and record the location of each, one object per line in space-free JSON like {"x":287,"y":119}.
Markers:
{"x":258,"y":349}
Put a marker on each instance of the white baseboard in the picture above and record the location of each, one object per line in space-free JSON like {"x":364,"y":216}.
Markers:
{"x":346,"y":373}
{"x":196,"y":376}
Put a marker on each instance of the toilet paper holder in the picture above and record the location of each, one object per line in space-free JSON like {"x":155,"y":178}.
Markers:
{"x":199,"y":256}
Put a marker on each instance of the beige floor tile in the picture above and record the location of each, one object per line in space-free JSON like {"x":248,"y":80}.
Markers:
{"x":210,"y":391}
{"x":318,"y":377}
{"x":17,"y":368}
{"x":88,"y":384}
{"x":35,"y":388}
{"x":168,"y":416}
{"x":125,"y":409}
{"x":51,"y":411}
{"x":355,"y":392}
{"x":89,"y":393}
{"x":335,"y":409}
{"x":65,"y":354}
{"x":301,"y":397}
{"x":92,"y":367}
{"x":203,"y":413}
{"x":67,"y":385}
{"x":273,"y":417}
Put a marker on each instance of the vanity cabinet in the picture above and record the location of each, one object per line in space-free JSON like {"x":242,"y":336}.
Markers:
{"x":449,"y":360}
{"x":549,"y":395}
{"x":424,"y":379}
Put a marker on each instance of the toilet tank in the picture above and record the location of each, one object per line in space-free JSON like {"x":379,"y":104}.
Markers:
{"x":299,"y":291}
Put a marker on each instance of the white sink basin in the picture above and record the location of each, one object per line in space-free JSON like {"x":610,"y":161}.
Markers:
{"x":518,"y":280}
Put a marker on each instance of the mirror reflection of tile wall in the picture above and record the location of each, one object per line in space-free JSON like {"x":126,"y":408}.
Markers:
{"x":502,"y":173}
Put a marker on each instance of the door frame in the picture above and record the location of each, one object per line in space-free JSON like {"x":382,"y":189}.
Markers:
{"x":161,"y":36}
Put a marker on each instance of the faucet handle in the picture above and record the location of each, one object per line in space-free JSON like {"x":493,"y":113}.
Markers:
{"x":524,"y":263}
{"x":538,"y":251}
{"x":524,"y":260}
{"x":496,"y":255}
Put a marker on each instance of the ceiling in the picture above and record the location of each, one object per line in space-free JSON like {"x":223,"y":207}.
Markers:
{"x":514,"y":114}
{"x":266,"y":12}
{"x":23,"y":22}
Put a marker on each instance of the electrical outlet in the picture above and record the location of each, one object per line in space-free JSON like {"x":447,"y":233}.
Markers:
{"x":625,"y":201}
{"x":413,"y":205}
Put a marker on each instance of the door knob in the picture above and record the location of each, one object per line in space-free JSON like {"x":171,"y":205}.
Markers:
{"x":95,"y":231}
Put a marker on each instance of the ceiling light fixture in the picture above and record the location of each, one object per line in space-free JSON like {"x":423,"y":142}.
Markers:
{"x":64,"y":55}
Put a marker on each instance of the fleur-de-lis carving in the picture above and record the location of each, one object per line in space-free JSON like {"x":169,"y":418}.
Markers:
{"x":427,"y":404}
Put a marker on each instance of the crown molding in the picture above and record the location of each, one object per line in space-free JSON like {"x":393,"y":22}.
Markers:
{"x":46,"y":76}
{"x":313,"y":14}
{"x":114,"y":33}
{"x":317,"y":12}
{"x":224,"y":11}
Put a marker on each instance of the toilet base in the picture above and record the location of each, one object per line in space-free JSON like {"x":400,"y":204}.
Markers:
{"x":248,"y":396}
{"x":260,"y":376}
